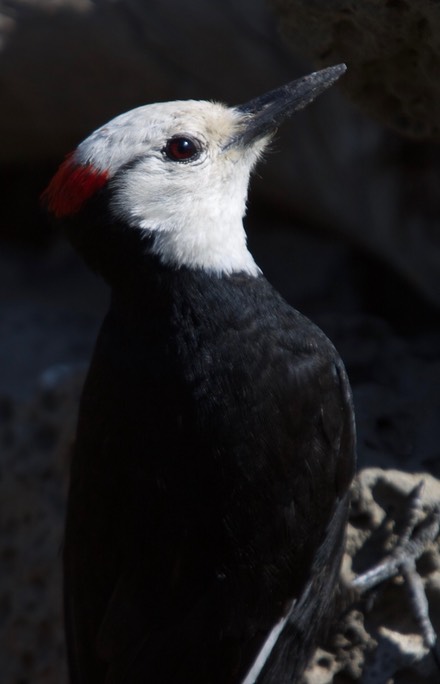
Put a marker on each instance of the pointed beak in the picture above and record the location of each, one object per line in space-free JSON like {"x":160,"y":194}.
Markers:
{"x":265,"y":113}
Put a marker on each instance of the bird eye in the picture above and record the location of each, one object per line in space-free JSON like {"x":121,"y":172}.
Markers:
{"x":181,"y":149}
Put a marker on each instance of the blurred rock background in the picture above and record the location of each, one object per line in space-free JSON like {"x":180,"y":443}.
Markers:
{"x":344,"y":220}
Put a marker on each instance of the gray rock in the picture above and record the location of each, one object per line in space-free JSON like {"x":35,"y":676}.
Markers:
{"x":378,"y":641}
{"x":392,"y":49}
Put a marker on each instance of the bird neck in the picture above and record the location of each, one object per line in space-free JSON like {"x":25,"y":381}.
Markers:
{"x":215,"y":244}
{"x":125,"y":254}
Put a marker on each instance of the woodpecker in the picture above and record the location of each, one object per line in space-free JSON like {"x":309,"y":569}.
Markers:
{"x":215,"y":442}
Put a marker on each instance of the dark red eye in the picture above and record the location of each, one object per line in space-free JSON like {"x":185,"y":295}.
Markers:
{"x":181,"y":149}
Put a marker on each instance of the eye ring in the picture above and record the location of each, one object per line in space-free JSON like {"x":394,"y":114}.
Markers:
{"x":182,"y":148}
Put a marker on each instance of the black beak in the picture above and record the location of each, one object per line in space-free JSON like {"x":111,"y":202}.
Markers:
{"x":267,"y":112}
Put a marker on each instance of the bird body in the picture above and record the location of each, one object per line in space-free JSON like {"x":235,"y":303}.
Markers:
{"x":215,"y":443}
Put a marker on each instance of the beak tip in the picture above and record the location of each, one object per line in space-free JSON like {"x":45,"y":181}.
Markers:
{"x":335,"y":72}
{"x":324,"y":78}
{"x":309,"y":87}
{"x":340,"y":68}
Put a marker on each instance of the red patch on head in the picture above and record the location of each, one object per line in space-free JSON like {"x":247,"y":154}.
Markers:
{"x":71,"y":186}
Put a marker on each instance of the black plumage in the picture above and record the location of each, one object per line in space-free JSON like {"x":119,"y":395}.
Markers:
{"x":214,"y":452}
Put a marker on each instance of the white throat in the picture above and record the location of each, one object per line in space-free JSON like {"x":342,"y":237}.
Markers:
{"x":218,"y":248}
{"x":195,"y":225}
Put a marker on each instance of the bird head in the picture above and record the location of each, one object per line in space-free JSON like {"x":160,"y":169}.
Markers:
{"x":177,"y":173}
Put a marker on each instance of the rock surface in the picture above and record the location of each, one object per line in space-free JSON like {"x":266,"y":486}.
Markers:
{"x":36,"y":437}
{"x":392,"y":49}
{"x":378,"y":640}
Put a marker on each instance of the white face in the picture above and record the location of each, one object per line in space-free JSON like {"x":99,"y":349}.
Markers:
{"x":193,"y":207}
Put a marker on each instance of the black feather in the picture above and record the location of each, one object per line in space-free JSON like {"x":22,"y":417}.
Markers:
{"x":209,"y":483}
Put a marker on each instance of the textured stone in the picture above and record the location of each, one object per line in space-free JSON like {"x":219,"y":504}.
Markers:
{"x":36,"y":438}
{"x":392,"y":49}
{"x":377,"y":640}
